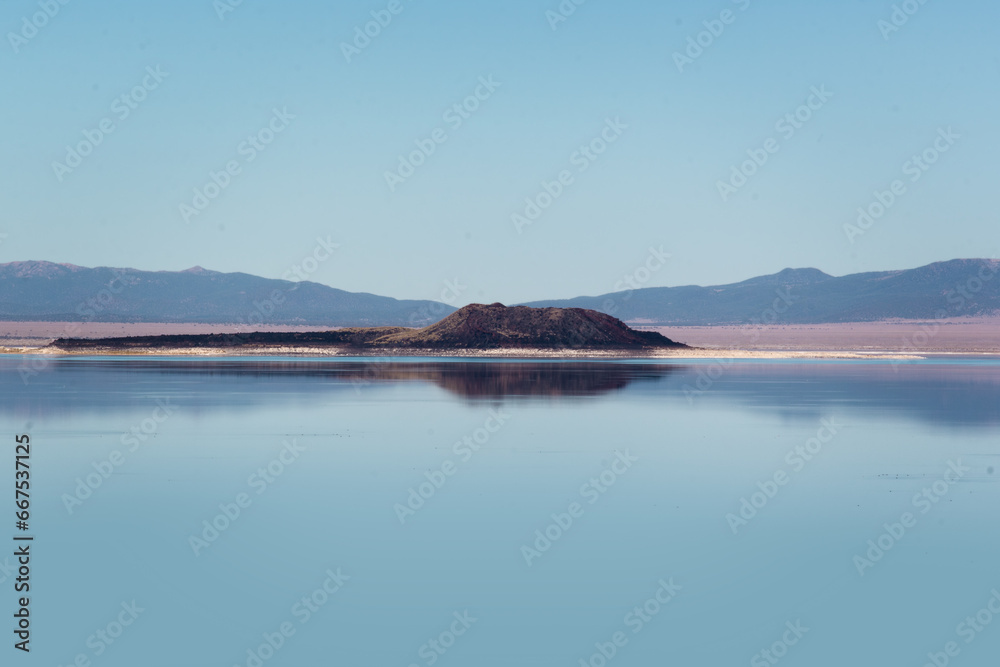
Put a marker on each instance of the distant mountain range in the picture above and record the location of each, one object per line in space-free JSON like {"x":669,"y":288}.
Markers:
{"x":43,"y":291}
{"x":47,"y":292}
{"x":957,"y":288}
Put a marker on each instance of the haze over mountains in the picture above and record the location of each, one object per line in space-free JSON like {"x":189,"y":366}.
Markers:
{"x":43,"y":291}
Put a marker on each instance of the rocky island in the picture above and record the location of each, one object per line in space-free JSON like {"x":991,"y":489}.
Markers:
{"x":474,"y":329}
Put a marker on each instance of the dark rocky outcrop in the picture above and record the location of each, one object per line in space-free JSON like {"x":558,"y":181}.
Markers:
{"x":474,"y":327}
{"x":496,"y":326}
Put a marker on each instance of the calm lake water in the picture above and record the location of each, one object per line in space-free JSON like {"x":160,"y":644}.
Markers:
{"x":429,"y":512}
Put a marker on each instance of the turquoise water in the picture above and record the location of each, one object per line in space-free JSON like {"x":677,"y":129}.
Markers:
{"x":388,"y":509}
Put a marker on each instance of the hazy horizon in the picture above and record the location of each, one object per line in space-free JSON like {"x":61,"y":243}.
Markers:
{"x":293,"y":118}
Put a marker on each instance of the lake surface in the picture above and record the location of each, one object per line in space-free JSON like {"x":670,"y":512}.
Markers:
{"x":433,"y":512}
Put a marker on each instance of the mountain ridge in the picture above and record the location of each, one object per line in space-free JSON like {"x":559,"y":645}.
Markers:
{"x":953,"y":288}
{"x":47,"y":291}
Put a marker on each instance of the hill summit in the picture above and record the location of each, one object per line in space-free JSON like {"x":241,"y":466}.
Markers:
{"x":479,"y":326}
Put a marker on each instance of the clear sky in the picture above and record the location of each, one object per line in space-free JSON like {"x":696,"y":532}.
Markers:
{"x":672,"y":130}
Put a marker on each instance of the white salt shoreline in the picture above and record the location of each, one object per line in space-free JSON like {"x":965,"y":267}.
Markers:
{"x":512,"y":353}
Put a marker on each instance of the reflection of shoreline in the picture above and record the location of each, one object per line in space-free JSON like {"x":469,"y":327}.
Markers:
{"x":472,"y":380}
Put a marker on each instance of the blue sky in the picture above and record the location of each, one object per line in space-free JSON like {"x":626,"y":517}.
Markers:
{"x":323,"y":174}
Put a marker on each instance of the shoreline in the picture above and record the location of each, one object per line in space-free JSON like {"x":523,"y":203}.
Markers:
{"x":886,"y":340}
{"x":510,"y":353}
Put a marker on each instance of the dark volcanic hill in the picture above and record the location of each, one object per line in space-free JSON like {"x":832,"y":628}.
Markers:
{"x":957,"y":288}
{"x":496,"y":326}
{"x":474,"y":327}
{"x":47,"y":292}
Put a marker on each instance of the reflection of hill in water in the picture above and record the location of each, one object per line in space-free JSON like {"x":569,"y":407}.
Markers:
{"x":478,"y":381}
{"x":952,"y":395}
{"x":106,"y":385}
